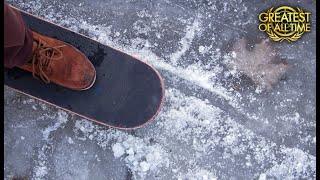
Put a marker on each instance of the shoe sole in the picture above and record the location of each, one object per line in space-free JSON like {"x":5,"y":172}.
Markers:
{"x":94,"y":80}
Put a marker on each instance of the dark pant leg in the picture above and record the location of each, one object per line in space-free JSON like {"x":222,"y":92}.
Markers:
{"x":18,"y":39}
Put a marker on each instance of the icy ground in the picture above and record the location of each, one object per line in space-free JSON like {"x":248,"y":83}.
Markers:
{"x":217,"y":122}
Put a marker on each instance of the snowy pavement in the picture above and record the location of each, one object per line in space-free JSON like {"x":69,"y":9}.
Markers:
{"x":217,"y":122}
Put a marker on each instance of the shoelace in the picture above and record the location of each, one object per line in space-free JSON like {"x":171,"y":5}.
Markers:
{"x":42,"y":58}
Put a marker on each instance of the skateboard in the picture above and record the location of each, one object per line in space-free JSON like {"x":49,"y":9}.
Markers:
{"x":128,"y":93}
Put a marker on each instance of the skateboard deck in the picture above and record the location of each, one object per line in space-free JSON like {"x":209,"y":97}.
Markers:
{"x":127,"y":93}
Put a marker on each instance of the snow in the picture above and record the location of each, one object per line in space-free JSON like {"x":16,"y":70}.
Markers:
{"x":118,"y":150}
{"x":40,"y":172}
{"x":70,"y":140}
{"x":215,"y":123}
{"x":43,"y":106}
{"x":139,"y":156}
{"x":33,"y":107}
{"x":61,"y":119}
{"x":296,"y":163}
{"x":198,"y":174}
{"x":263,"y":176}
{"x":144,"y":166}
{"x":185,"y":42}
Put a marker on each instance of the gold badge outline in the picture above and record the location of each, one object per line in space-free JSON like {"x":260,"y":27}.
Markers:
{"x":278,"y":36}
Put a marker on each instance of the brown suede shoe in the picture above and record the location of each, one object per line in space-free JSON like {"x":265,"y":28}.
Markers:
{"x":61,"y":63}
{"x":17,"y":178}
